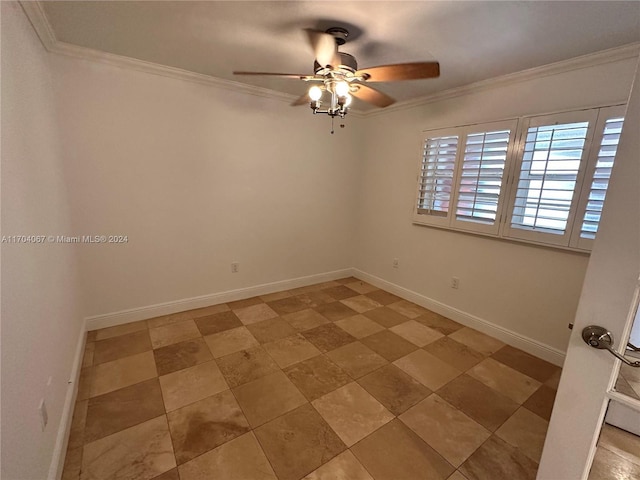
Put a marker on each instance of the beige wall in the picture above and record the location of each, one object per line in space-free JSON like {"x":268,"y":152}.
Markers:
{"x":41,"y":318}
{"x":199,"y":177}
{"x":529,"y":290}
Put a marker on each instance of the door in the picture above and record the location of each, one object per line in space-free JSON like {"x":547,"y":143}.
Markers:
{"x":608,"y":299}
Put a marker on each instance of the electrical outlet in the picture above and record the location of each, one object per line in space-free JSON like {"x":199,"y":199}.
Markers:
{"x":44,"y":416}
{"x":235,"y":267}
{"x":455,"y":282}
{"x":396,"y":263}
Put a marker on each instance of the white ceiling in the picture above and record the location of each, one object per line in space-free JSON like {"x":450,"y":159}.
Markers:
{"x":472,"y":41}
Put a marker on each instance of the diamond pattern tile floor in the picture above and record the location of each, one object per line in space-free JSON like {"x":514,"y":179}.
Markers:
{"x":328,"y":381}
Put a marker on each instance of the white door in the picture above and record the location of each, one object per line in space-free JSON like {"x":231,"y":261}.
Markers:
{"x":608,"y":299}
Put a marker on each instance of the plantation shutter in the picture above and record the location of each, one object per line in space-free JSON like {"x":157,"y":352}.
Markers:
{"x":481,"y":178}
{"x":436,"y":175}
{"x":601,"y":176}
{"x":548,"y":175}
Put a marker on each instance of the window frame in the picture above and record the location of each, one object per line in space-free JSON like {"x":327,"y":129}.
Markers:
{"x":538,"y":121}
{"x":604,"y":114}
{"x":519,"y":127}
{"x":449,"y":220}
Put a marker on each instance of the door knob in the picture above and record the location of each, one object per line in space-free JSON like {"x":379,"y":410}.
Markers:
{"x":600,"y":338}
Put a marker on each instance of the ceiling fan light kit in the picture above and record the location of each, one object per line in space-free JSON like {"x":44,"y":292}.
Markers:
{"x":337,"y":74}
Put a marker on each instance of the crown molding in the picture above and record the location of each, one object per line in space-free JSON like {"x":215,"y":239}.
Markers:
{"x":40,"y":23}
{"x":35,"y":13}
{"x":602,"y":57}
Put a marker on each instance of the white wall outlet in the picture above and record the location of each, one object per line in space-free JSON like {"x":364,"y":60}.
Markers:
{"x":235,"y":267}
{"x":44,"y":416}
{"x":455,"y":282}
{"x":396,"y":263}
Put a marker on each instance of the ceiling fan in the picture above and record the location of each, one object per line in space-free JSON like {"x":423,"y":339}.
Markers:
{"x":337,"y":73}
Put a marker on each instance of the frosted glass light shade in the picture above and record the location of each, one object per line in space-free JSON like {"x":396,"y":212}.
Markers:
{"x":315,"y":93}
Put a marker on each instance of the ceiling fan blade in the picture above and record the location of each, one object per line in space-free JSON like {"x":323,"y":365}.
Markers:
{"x":324,"y":47}
{"x":371,"y":95}
{"x":303,"y":100}
{"x":283,"y":75}
{"x":401,"y":71}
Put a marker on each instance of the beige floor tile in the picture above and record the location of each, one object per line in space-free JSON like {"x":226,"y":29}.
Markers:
{"x":335,"y":311}
{"x":111,"y":376}
{"x":385,"y":316}
{"x":230,"y":341}
{"x":314,"y":299}
{"x":509,"y":382}
{"x":205,"y":424}
{"x":395,"y":452}
{"x":529,"y":365}
{"x":359,"y":326}
{"x":72,"y":464}
{"x":181,"y":355}
{"x":288,"y":305}
{"x":298,"y":442}
{"x":170,"y":475}
{"x":272,"y":297}
{"x":554,"y":381}
{"x":141,"y":452}
{"x":457,"y":476}
{"x":454,"y":353}
{"x":121,"y":346}
{"x":416,"y":333}
{"x":255,"y":313}
{"x":432,"y":372}
{"x":407,"y":309}
{"x":541,"y":402}
{"x":271,"y":330}
{"x":168,"y":319}
{"x":620,"y":442}
{"x":328,"y":337}
{"x":191,"y":384}
{"x":246,"y":365}
{"x":497,"y":459}
{"x":352,"y":412}
{"x":396,"y":390}
{"x":245,"y":302}
{"x":478,"y":341}
{"x":356,"y":359}
{"x":217,"y":322}
{"x":118,"y":330}
{"x":84,"y":383}
{"x":290,"y":350}
{"x":124,"y":408}
{"x":526,"y":431}
{"x":343,"y":467}
{"x":340,"y":292}
{"x":239,"y":459}
{"x":383,"y":297}
{"x":78,"y":425}
{"x":483,"y":404}
{"x":87,"y":357}
{"x":608,"y":465}
{"x":267,"y":398}
{"x":361,"y":287}
{"x":305,"y":320}
{"x":360,"y":303}
{"x":210,"y":310}
{"x":388,"y":345}
{"x":437,"y":322}
{"x":173,"y":333}
{"x":317,"y":376}
{"x":445,"y":428}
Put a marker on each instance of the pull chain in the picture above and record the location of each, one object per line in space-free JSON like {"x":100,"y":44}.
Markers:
{"x":332,"y":126}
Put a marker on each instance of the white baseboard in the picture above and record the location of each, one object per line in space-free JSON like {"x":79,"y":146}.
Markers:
{"x":64,"y":427}
{"x":509,"y":337}
{"x":151,"y":311}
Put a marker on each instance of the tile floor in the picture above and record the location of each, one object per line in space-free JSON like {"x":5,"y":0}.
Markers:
{"x":617,"y":456}
{"x":338,"y":380}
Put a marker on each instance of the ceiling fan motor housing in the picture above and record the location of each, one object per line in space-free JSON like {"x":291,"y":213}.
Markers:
{"x":347,"y":62}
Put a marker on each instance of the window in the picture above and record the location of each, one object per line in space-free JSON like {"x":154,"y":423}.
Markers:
{"x":539,"y":179}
